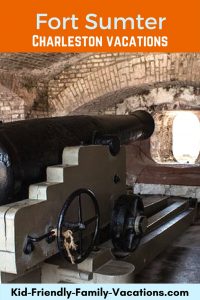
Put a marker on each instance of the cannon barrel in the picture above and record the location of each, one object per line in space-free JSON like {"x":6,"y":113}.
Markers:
{"x":28,"y":147}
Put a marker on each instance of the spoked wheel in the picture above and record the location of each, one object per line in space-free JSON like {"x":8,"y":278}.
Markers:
{"x":78,"y":226}
{"x":128,"y":223}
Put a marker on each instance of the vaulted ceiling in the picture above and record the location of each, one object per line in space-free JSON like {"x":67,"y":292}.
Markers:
{"x":18,"y":61}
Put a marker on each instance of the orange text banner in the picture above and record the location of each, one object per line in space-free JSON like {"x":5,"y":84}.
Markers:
{"x":99,"y":25}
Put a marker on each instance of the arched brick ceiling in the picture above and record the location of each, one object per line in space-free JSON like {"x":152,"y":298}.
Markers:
{"x":41,"y":65}
{"x":53,"y":84}
{"x":120,"y":72}
{"x":27,"y":74}
{"x":111,"y":100}
{"x":30,"y":61}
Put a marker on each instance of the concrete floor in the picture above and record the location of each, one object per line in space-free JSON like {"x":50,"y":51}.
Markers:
{"x":180,"y":263}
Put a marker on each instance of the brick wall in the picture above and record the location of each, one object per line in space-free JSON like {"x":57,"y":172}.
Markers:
{"x":83,"y":68}
{"x":11,"y":106}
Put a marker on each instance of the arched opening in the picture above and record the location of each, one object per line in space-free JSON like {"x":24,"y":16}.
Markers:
{"x":186,"y":137}
{"x":176,"y":139}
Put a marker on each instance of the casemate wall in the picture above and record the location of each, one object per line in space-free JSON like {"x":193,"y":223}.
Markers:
{"x":58,"y":84}
{"x":112,"y":83}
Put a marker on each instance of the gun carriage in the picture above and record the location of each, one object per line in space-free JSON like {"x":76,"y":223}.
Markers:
{"x":65,"y":211}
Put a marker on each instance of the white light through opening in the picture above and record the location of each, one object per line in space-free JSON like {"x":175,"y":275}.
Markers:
{"x":186,"y":137}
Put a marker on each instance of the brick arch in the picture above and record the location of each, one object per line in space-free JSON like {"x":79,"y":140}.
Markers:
{"x":132,"y":71}
{"x":156,"y":97}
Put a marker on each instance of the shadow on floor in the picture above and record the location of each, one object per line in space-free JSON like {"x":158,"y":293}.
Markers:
{"x":180,"y":263}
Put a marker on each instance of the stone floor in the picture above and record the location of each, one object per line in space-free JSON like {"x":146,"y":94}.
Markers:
{"x":180,"y":263}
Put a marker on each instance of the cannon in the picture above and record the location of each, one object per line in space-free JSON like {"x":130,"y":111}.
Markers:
{"x":63,"y":195}
{"x":28,"y":147}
